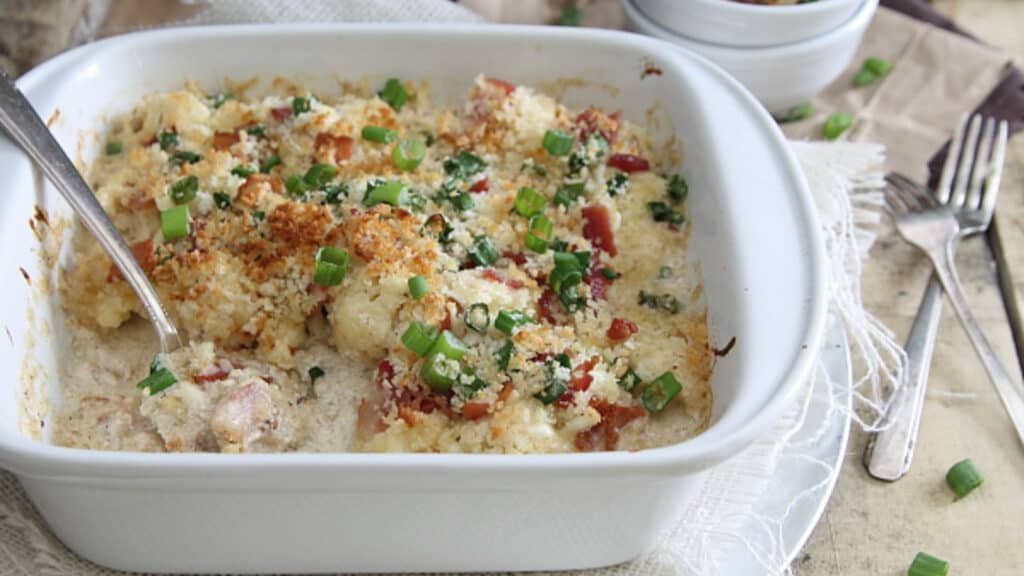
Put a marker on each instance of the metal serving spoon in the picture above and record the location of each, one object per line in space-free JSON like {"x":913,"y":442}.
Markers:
{"x":27,"y":129}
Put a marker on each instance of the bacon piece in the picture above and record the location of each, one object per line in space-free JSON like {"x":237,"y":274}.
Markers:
{"x":374,"y":406}
{"x":595,"y":120}
{"x":605,"y":434}
{"x":621,"y":329}
{"x":479,"y":186}
{"x":518,"y":257}
{"x":144,"y":255}
{"x":598,"y":284}
{"x":225,"y":140}
{"x":493,"y":276}
{"x":475,"y":410}
{"x":281,"y":114}
{"x":214,"y":373}
{"x":339,"y":146}
{"x":629,"y":163}
{"x":548,"y":307}
{"x":597,"y":227}
{"x":506,"y":87}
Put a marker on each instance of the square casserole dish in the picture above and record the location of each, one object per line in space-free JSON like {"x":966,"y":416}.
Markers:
{"x":754,"y":232}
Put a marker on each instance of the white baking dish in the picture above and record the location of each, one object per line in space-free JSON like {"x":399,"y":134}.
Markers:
{"x":753,"y":229}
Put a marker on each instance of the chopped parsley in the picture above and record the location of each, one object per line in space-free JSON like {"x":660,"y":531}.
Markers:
{"x":221,"y":200}
{"x":618,"y":184}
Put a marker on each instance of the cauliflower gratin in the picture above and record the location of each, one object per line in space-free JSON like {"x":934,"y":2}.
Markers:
{"x":371,"y":273}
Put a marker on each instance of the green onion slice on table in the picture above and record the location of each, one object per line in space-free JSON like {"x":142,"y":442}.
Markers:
{"x":963,"y":478}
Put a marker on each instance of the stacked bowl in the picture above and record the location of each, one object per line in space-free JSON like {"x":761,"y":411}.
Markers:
{"x":785,"y":54}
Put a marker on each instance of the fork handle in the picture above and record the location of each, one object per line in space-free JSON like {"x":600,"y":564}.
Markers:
{"x":1010,"y":392}
{"x":891,"y":449}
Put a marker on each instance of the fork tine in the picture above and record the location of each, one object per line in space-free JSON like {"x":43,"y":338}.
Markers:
{"x":914,"y":196}
{"x":963,"y":170}
{"x":982,"y":166}
{"x":952,"y":155}
{"x":995,"y":175}
{"x":893,"y":201}
{"x":897,"y":191}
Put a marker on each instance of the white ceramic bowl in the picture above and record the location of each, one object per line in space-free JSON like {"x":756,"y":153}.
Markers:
{"x":754,"y":229}
{"x":782,"y":76}
{"x":734,"y":24}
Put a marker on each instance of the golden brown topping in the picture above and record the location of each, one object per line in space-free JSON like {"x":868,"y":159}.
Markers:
{"x":298,"y":223}
{"x":256,"y":185}
{"x":225,"y":140}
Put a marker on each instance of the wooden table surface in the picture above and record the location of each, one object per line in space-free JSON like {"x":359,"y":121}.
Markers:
{"x":872,"y":527}
{"x":875,"y":528}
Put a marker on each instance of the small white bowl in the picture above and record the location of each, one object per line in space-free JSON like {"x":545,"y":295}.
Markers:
{"x":782,"y":76}
{"x":735,"y":24}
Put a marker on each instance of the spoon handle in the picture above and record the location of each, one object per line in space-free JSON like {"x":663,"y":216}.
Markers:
{"x":27,"y":129}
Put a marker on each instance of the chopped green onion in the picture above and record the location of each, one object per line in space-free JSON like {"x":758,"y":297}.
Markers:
{"x":331,"y":266}
{"x":428,"y":137}
{"x":333,"y":194}
{"x":568,"y":194}
{"x":836,"y":124}
{"x":394,"y":193}
{"x":483,"y":251}
{"x":167,"y":140}
{"x":258,"y":217}
{"x":798,"y":113}
{"x":258,"y":130}
{"x":440,"y":372}
{"x":864,"y":77}
{"x":571,"y":16}
{"x":114,"y":148}
{"x":478,"y":317}
{"x":394,"y":94}
{"x":185,"y":157}
{"x":554,"y":390}
{"x":629,"y":380}
{"x":379,"y":135}
{"x":660,"y":392}
{"x":647,"y":299}
{"x":218,"y":100}
{"x":315,"y":373}
{"x":267,"y":165}
{"x":609,"y":273}
{"x":529,"y":202}
{"x":222,"y":200}
{"x":928,"y":565}
{"x":184,"y":191}
{"x":463,"y":165}
{"x":508,"y":320}
{"x":463,"y":202}
{"x":158,"y":380}
{"x":319,"y":175}
{"x":662,"y":212}
{"x":418,"y":287}
{"x":174,"y":223}
{"x":408,"y":154}
{"x":963,"y":478}
{"x":294,"y":185}
{"x":677,"y":188}
{"x":618,"y":184}
{"x":538,"y":233}
{"x":448,"y":345}
{"x":557,"y":143}
{"x":504,"y":354}
{"x":878,"y":66}
{"x":531,"y":165}
{"x":468,"y":384}
{"x":556,"y":383}
{"x":419,"y":338}
{"x":242,"y":171}
{"x":300,"y":105}
{"x":559,"y":245}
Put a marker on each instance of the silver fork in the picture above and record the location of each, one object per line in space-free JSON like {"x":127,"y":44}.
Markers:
{"x":934,"y":228}
{"x":890,"y":451}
